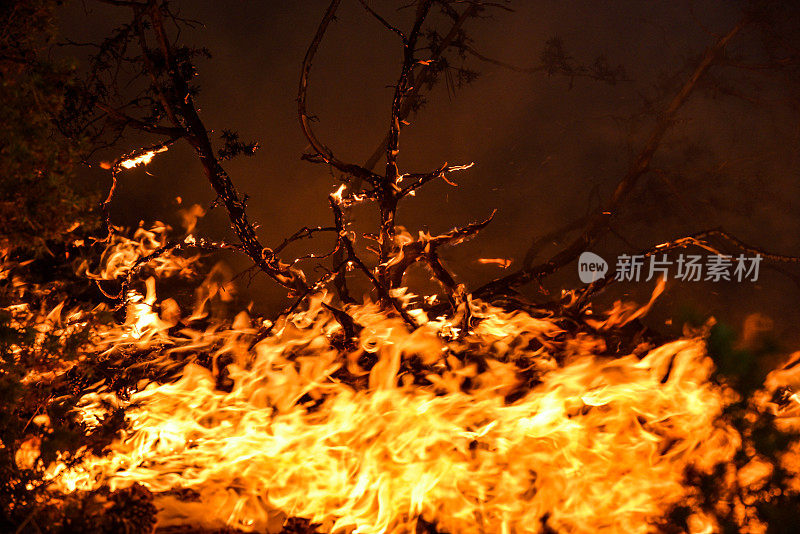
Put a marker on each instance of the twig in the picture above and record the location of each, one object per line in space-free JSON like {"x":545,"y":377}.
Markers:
{"x":598,"y":223}
{"x":383,"y":21}
{"x":422,"y":179}
{"x":383,"y":292}
{"x":304,"y":232}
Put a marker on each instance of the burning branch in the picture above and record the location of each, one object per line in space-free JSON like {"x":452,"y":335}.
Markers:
{"x":129,"y":161}
{"x":425,"y":75}
{"x":388,"y":186}
{"x":175,"y":246}
{"x":175,"y":97}
{"x":425,"y":248}
{"x":385,"y":190}
{"x":422,"y":179}
{"x":351,"y":256}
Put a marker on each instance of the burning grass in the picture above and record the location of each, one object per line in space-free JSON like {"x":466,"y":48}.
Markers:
{"x":492,"y":420}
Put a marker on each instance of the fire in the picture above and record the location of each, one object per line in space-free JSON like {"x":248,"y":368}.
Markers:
{"x":510,"y":425}
{"x":587,"y":447}
{"x":141,"y":159}
{"x":505,"y":263}
{"x":123,"y":253}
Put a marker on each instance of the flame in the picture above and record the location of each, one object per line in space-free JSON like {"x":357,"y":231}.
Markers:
{"x":586,"y":447}
{"x":491,"y":421}
{"x":123,"y":253}
{"x":505,"y":263}
{"x":141,"y":159}
{"x":190,"y":216}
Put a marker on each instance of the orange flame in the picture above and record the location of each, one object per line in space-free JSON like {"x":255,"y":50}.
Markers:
{"x":141,"y":159}
{"x":506,"y":427}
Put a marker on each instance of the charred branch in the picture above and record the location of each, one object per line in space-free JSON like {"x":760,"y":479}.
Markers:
{"x":386,"y":24}
{"x":425,"y":249}
{"x":598,"y":223}
{"x":118,"y":165}
{"x":304,"y":232}
{"x":321,"y":152}
{"x":388,"y":186}
{"x":421,"y":179}
{"x":425,"y":76}
{"x":126,"y":120}
{"x":351,"y":256}
{"x":175,"y":96}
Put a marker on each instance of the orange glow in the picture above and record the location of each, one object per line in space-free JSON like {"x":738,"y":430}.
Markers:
{"x":141,"y":159}
{"x":505,"y":263}
{"x":473,"y":443}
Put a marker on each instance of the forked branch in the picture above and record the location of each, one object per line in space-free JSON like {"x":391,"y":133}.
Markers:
{"x":175,"y":96}
{"x":321,"y":152}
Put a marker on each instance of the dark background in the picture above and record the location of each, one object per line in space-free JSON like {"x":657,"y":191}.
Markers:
{"x":546,"y":149}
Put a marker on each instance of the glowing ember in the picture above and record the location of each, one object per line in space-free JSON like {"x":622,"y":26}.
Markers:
{"x":505,"y":263}
{"x":141,"y":159}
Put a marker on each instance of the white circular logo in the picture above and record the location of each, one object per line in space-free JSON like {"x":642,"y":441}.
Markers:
{"x":591,"y":267}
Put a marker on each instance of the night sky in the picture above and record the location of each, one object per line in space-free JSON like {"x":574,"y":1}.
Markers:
{"x":546,"y":149}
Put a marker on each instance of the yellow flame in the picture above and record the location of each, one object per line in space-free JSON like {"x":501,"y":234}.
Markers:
{"x":489,"y":422}
{"x":600,"y":443}
{"x":141,"y":159}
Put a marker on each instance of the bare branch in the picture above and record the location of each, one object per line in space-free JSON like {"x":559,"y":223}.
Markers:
{"x":598,"y":223}
{"x":741,"y":245}
{"x":388,"y":186}
{"x":422,"y":179}
{"x":383,"y":21}
{"x":127,"y":120}
{"x":197,"y":136}
{"x":404,"y":85}
{"x":321,"y":152}
{"x":425,"y":246}
{"x":424,"y":76}
{"x":304,"y":232}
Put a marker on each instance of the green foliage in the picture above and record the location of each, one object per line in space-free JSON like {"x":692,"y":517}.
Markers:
{"x":39,"y":198}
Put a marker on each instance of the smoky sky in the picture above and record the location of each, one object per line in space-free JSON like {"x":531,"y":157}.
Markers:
{"x":547,"y":149}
